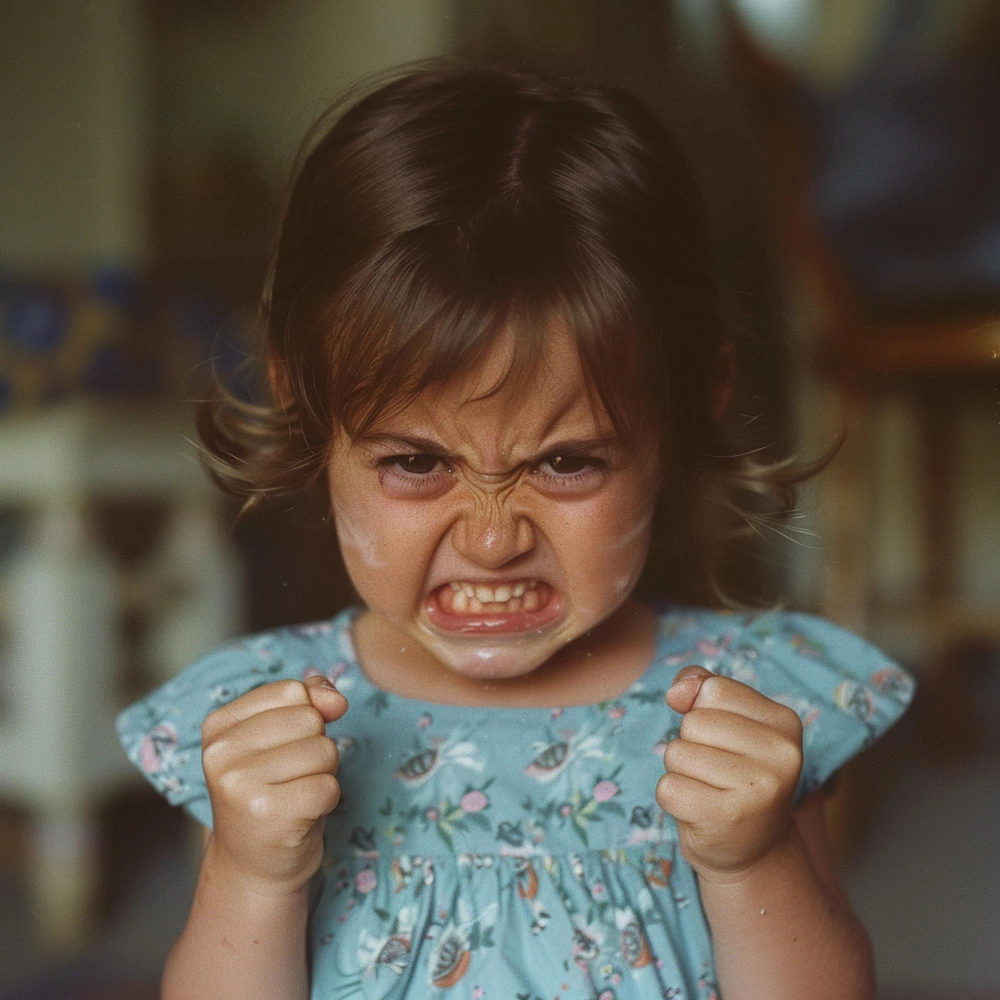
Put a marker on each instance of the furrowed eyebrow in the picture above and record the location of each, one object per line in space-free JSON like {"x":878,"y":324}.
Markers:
{"x":420,"y":445}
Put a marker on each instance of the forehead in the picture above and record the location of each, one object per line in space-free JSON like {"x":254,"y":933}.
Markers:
{"x":517,"y":419}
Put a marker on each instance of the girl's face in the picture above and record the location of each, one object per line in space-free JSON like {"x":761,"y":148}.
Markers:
{"x":494,"y":533}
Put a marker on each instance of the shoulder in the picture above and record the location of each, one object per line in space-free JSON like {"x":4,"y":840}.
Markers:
{"x":747,"y":645}
{"x":238,"y":666}
{"x":846,"y":691}
{"x":161,"y":733}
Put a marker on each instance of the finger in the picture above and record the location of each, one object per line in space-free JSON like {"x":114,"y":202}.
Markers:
{"x":685,"y":687}
{"x":741,"y":699}
{"x":718,"y":768}
{"x":277,"y":694}
{"x":314,"y":755}
{"x":272,"y":728}
{"x":325,"y":698}
{"x":311,"y":796}
{"x":687,"y":799}
{"x":724,"y":730}
{"x":302,"y":799}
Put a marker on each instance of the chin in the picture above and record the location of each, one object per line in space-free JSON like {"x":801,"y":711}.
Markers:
{"x":483,"y":662}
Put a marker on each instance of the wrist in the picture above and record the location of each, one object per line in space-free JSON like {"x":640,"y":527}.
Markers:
{"x":775,"y":858}
{"x":228,"y":876}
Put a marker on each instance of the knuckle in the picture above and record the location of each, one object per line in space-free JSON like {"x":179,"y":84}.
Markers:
{"x":213,"y":754}
{"x":290,"y":690}
{"x":663,"y":791}
{"x":333,"y":791}
{"x":308,"y":720}
{"x":793,"y":720}
{"x":789,"y":754}
{"x":692,"y":723}
{"x":711,"y":688}
{"x":334,"y":753}
{"x":209,"y":724}
{"x":231,"y":783}
{"x":770,"y":784}
{"x":314,"y":720}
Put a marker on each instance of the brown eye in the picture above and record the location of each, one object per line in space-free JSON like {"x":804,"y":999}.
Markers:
{"x":417,"y":465}
{"x":567,"y":465}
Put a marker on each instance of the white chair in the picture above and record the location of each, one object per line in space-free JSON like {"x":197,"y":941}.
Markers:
{"x":61,"y":599}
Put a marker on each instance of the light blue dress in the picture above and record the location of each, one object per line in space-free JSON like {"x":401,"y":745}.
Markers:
{"x":511,"y":853}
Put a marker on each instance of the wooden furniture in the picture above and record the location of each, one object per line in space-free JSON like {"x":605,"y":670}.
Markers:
{"x":929,"y":364}
{"x":61,"y":598}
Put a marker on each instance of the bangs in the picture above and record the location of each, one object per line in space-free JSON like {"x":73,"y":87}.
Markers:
{"x":439,"y":299}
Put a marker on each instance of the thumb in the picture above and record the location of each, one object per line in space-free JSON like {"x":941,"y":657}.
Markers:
{"x":684,"y":690}
{"x":330,"y":703}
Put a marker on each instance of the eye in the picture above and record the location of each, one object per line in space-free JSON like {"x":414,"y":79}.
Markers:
{"x":572,"y":471}
{"x":567,"y":465}
{"x":413,"y":475}
{"x":417,"y":465}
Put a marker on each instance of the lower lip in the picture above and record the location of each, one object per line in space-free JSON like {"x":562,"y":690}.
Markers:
{"x":492,"y":623}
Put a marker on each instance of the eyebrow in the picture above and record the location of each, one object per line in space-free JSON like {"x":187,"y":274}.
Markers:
{"x":414,"y":444}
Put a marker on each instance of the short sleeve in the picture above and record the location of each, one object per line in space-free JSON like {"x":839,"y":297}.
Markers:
{"x":161,"y":734}
{"x":846,"y":691}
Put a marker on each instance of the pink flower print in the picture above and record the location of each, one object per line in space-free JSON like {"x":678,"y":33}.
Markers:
{"x":311,"y":672}
{"x":474,"y":801}
{"x":565,"y":809}
{"x":616,"y":978}
{"x":607,"y":995}
{"x":605,"y":790}
{"x":425,"y":720}
{"x":157,"y":747}
{"x":677,"y":659}
{"x":336,"y":670}
{"x":365,"y":880}
{"x":616,"y":713}
{"x":708,"y":648}
{"x":556,"y":712}
{"x":478,"y":993}
{"x":432,"y":813}
{"x":597,"y":891}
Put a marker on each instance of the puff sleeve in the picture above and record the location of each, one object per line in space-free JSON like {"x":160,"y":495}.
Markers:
{"x":846,"y":691}
{"x":161,"y":733}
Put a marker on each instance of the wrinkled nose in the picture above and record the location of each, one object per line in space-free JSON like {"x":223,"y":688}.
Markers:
{"x":492,"y":535}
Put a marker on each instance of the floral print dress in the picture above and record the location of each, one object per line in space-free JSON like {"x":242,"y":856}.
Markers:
{"x":517,"y":853}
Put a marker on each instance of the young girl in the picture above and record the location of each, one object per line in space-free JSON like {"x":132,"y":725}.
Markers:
{"x":496,"y":356}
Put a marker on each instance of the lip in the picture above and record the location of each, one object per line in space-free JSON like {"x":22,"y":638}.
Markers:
{"x":508,"y":623}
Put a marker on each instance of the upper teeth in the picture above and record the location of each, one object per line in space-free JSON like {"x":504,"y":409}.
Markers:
{"x":487,"y":595}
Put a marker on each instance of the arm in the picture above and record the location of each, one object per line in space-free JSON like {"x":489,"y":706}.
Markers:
{"x":269,"y":769}
{"x":807,"y":941}
{"x":238,"y":942}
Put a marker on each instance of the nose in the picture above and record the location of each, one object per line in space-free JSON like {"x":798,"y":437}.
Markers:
{"x":492,"y":534}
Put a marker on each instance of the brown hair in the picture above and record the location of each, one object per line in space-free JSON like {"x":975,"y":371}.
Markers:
{"x":454,"y":202}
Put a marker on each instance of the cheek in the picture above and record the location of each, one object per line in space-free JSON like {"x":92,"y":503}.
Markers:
{"x":605,"y":545}
{"x":385,"y":546}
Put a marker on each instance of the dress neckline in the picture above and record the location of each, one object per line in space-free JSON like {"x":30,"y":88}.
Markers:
{"x":344,"y":627}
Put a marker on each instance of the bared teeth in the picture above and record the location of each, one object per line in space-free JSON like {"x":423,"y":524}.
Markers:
{"x":461,"y":597}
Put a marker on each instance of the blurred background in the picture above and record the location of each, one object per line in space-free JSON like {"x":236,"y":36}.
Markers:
{"x":850,"y":154}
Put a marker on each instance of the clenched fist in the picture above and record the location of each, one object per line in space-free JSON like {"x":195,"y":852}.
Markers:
{"x":270,"y":770}
{"x":731,"y":777}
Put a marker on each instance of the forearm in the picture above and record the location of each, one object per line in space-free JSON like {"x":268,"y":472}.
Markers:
{"x":778,"y":934}
{"x":238,"y":943}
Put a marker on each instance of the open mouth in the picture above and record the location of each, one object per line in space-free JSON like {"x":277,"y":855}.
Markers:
{"x":466,"y":606}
